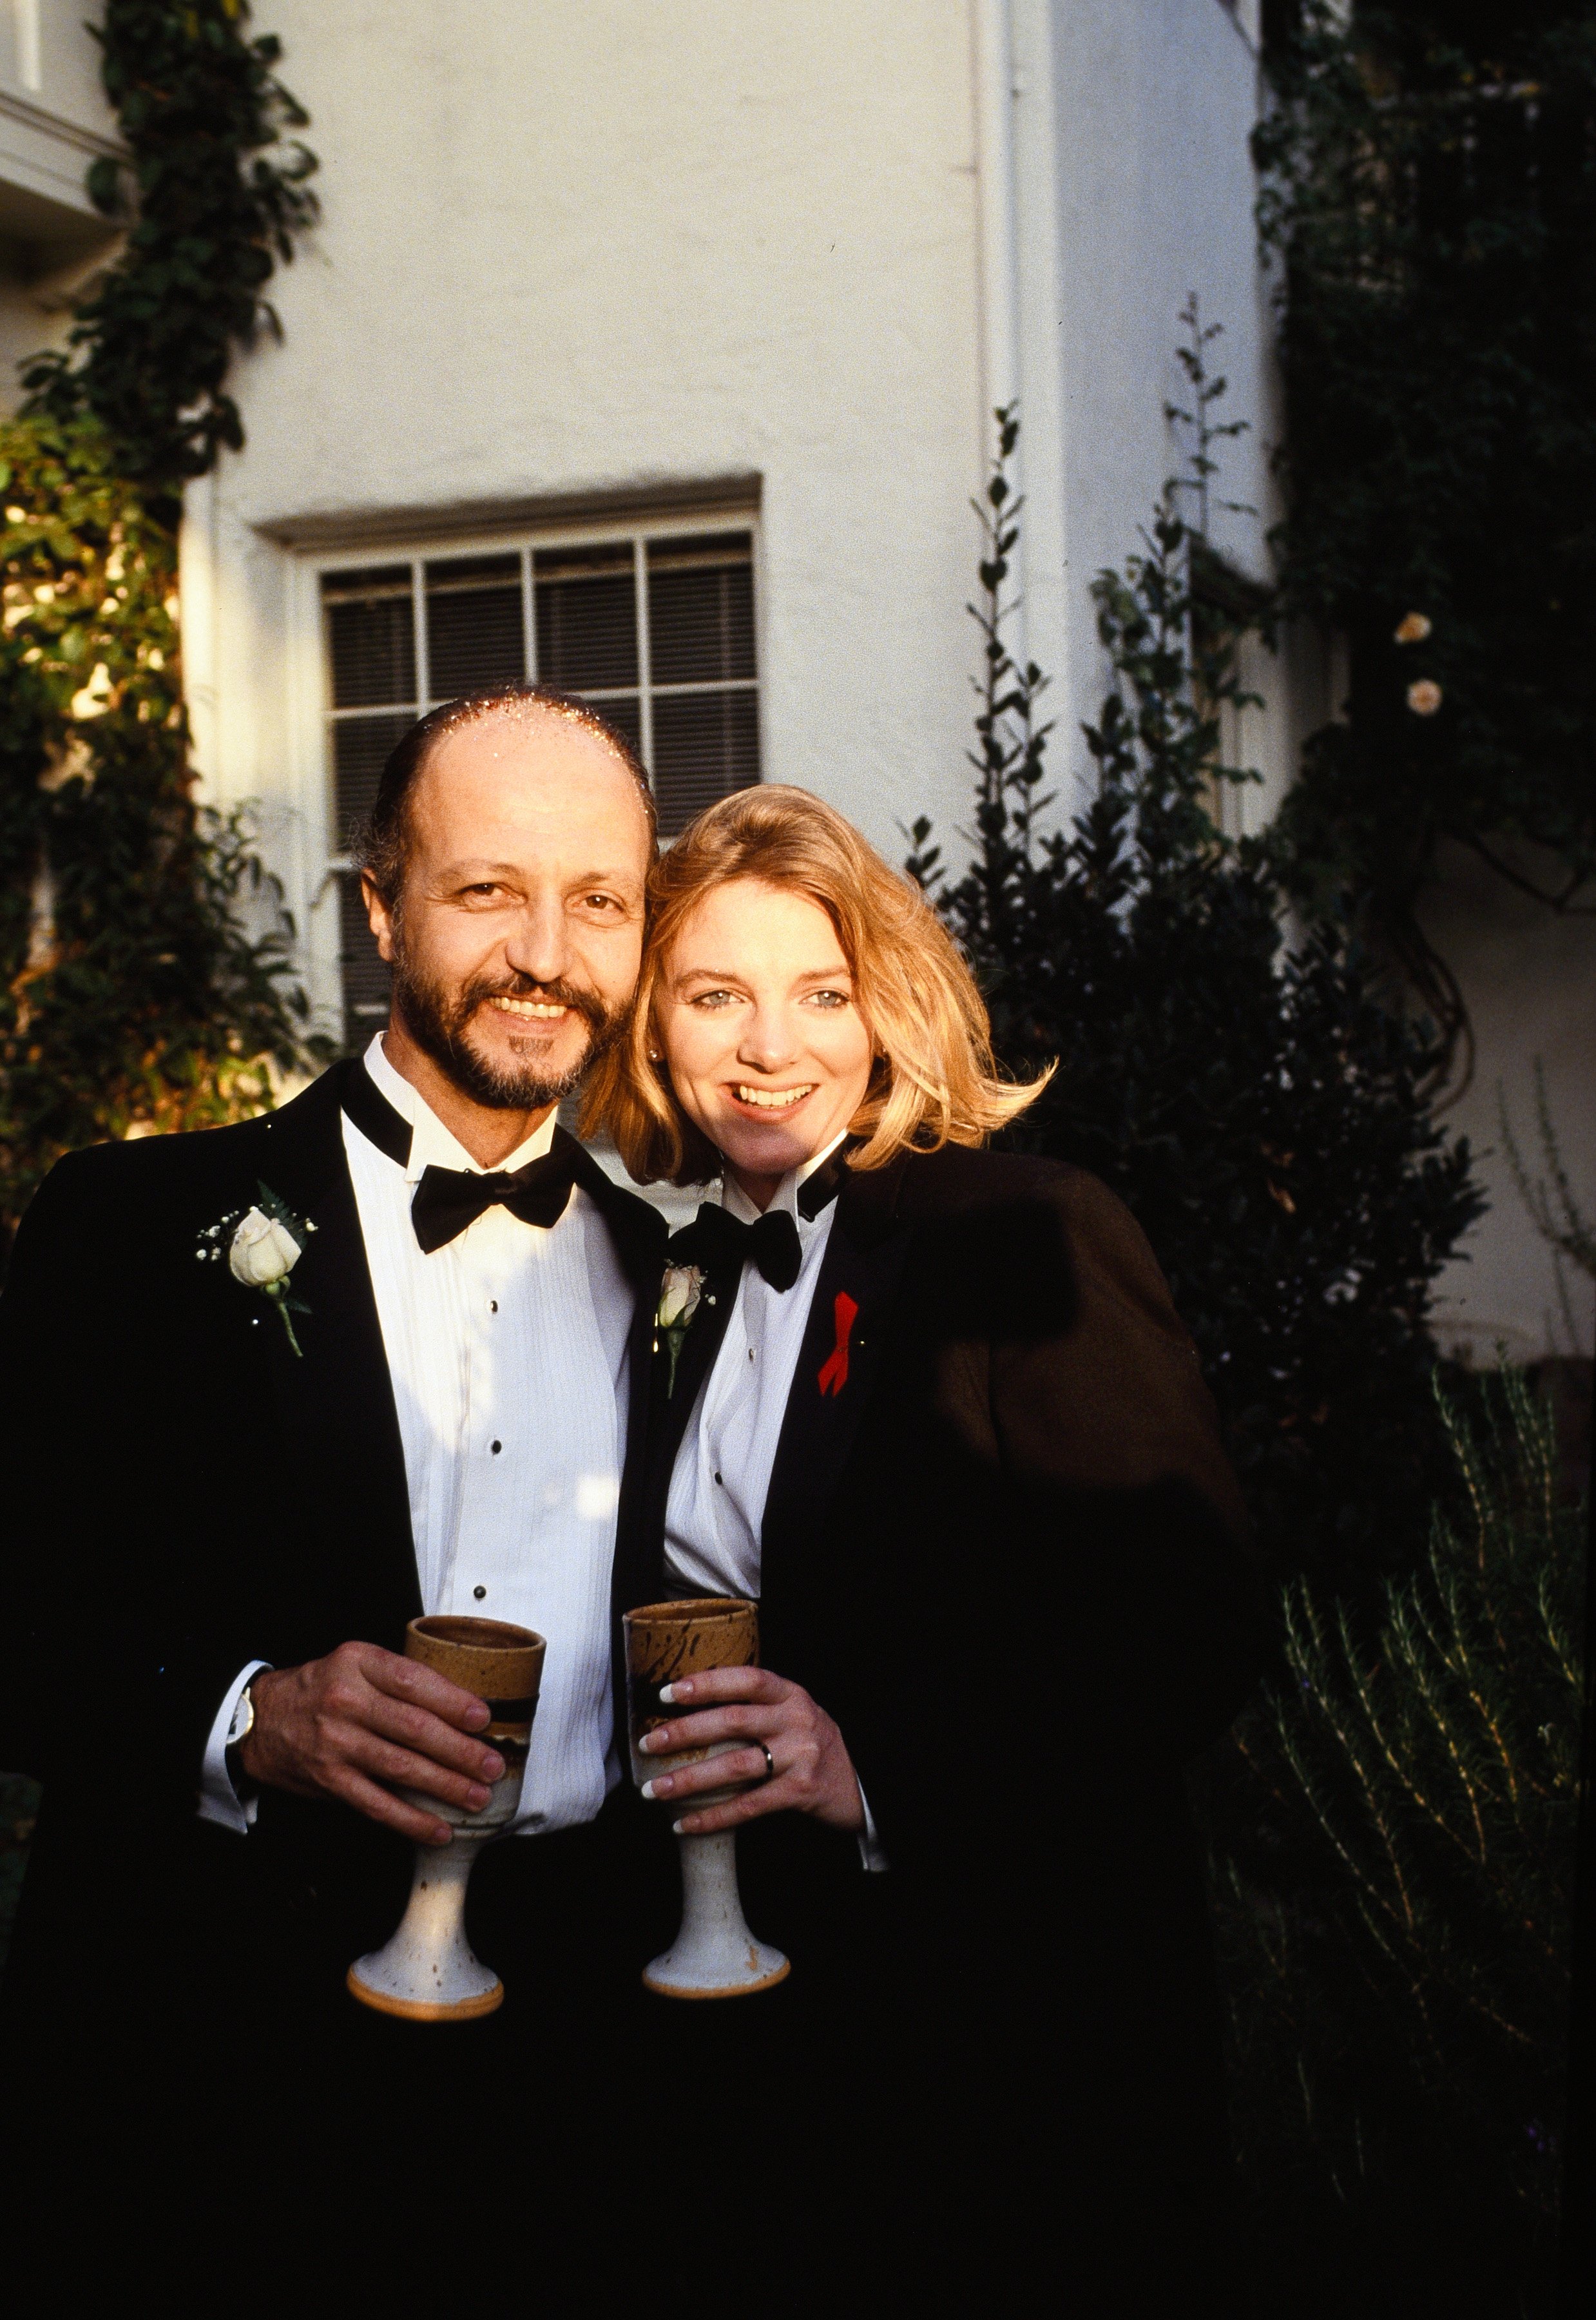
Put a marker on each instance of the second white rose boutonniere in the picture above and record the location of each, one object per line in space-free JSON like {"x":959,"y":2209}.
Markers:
{"x":679,"y":1295}
{"x":263,"y":1246}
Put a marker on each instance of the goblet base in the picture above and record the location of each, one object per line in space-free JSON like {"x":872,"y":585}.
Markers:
{"x":715,"y":1955}
{"x":428,"y":1971}
{"x":657,"y":1975}
{"x":416,"y":2009}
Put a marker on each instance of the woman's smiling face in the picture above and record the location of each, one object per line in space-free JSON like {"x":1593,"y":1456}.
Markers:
{"x":767,"y":1052}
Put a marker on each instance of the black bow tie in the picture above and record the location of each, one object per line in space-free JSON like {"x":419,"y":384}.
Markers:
{"x":718,"y":1241}
{"x":448,"y":1199}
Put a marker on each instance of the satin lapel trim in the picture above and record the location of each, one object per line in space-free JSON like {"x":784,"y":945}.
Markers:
{"x":863,"y":1262}
{"x":335,"y":1402}
{"x":669,"y":1415}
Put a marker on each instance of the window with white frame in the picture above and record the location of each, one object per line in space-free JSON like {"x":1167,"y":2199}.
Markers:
{"x":654,"y":626}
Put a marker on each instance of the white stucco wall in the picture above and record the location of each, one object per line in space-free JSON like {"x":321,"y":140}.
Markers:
{"x":608,"y":244}
{"x":1156,"y":104}
{"x":1529,"y":980}
{"x":615,"y":243}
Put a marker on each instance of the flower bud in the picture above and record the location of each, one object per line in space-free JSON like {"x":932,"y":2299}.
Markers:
{"x":262,"y":1251}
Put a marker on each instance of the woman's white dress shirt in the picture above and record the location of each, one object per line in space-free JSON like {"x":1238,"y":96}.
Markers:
{"x":715,"y":1510}
{"x":714,"y":1513}
{"x":507,"y":1349}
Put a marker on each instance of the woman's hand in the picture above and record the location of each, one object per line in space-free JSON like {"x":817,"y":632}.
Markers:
{"x":813,"y":1772}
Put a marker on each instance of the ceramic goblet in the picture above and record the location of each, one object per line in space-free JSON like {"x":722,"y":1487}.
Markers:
{"x":714,"y":1954}
{"x":427,"y":1972}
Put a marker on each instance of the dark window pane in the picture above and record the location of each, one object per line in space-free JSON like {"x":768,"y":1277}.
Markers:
{"x":370,"y":637}
{"x":587,"y":629}
{"x":701,"y":610}
{"x":365,"y":977}
{"x":704,"y":745}
{"x":621,"y":711}
{"x":475,"y":629}
{"x":360,"y":749}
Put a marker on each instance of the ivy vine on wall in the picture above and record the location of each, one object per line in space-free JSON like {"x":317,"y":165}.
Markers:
{"x":132,"y":995}
{"x":1430,"y":197}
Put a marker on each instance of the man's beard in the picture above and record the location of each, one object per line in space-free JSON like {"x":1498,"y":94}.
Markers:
{"x":438,"y":1019}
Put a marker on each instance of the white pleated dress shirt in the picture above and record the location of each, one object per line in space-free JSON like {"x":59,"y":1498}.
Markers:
{"x":714,"y":1513}
{"x":507,"y":1349}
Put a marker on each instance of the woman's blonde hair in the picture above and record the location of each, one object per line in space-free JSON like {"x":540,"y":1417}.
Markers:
{"x":933,"y":1080}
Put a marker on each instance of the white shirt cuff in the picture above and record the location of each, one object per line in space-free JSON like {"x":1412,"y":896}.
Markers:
{"x":219,"y":1800}
{"x":872,"y":1852}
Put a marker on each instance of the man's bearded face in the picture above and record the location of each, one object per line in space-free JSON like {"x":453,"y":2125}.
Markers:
{"x":520,"y":1073}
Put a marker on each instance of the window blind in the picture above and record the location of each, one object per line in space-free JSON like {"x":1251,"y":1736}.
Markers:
{"x":656,"y":629}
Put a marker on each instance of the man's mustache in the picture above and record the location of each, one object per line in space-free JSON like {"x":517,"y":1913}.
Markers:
{"x":558,"y":994}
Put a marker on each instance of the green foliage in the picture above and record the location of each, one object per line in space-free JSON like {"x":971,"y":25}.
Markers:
{"x":1262,"y":1113}
{"x":1429,"y":203}
{"x":132,"y":998}
{"x":1399,"y":1952}
{"x":216,"y":201}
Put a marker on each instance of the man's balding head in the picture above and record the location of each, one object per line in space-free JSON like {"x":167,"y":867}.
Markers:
{"x":381,"y":845}
{"x":504,"y":869}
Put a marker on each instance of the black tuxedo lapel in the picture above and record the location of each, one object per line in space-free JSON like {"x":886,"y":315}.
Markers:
{"x":639,"y":1233}
{"x":861,"y":1270}
{"x":335,"y":1403}
{"x":670,"y":1406}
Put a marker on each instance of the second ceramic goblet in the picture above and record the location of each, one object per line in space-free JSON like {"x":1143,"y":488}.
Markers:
{"x":715,"y":1955}
{"x":427,"y":1972}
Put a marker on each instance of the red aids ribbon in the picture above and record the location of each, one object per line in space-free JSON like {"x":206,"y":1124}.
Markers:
{"x":834,"y":1369}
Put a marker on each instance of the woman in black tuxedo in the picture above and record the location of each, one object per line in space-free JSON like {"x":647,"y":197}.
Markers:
{"x":933,"y":1407}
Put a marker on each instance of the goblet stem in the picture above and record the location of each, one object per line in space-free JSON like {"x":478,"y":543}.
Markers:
{"x":427,"y":1971}
{"x":715,"y":1955}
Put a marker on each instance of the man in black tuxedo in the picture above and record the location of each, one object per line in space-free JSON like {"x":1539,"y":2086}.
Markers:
{"x":220,"y":1516}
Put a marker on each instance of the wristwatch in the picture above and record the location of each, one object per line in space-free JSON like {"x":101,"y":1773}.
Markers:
{"x":237,"y":1732}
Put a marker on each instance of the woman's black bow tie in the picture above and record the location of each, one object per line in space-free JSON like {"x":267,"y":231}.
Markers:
{"x":716,"y":1240}
{"x":448,"y":1199}
{"x":721,"y":1243}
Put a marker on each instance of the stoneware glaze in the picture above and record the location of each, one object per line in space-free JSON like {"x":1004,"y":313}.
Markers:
{"x":427,"y":1972}
{"x":715,"y":1955}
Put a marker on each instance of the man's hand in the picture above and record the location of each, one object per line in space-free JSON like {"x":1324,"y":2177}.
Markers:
{"x":813,"y":1771}
{"x":343,"y":1725}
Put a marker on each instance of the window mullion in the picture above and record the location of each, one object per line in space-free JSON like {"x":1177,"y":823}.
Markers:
{"x":645,"y":672}
{"x":418,"y":599}
{"x":529,"y":614}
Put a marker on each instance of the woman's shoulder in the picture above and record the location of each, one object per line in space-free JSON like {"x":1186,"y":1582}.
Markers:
{"x":1029,"y":1231}
{"x":961,"y":1179}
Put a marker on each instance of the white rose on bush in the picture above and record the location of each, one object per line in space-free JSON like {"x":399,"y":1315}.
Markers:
{"x":262,"y":1251}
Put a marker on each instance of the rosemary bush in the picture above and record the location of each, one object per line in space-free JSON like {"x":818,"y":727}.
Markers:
{"x":1398,"y":1946}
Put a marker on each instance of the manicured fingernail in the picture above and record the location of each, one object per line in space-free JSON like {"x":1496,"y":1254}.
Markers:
{"x":679,"y":1828}
{"x":649,"y":1742}
{"x":673,"y":1693}
{"x":661,"y":1787}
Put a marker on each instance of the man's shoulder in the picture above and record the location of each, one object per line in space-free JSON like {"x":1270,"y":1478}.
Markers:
{"x":154,"y":1172}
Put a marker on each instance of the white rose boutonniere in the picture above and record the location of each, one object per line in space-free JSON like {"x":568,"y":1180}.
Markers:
{"x":679,"y":1295}
{"x":263,"y":1245}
